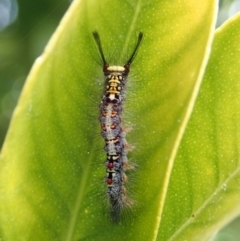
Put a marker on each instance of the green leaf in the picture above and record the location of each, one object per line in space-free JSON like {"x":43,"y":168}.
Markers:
{"x":206,"y":177}
{"x":51,"y":174}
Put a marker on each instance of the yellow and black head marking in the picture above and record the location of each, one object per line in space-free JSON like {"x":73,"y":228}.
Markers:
{"x":113,"y":133}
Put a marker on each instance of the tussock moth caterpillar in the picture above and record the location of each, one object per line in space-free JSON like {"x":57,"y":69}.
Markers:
{"x":113,"y":133}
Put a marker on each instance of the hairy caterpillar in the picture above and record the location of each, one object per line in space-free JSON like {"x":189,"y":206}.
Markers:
{"x":113,"y":133}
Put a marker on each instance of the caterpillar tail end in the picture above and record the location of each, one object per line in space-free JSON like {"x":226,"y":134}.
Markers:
{"x":115,"y":212}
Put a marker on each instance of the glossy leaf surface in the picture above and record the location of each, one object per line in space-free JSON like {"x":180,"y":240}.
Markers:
{"x":206,"y":176}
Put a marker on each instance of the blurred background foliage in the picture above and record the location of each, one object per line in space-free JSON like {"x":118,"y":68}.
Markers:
{"x":25,"y":28}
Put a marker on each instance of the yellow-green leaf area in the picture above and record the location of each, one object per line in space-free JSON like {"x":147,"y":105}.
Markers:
{"x":206,"y":175}
{"x":52,"y":163}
